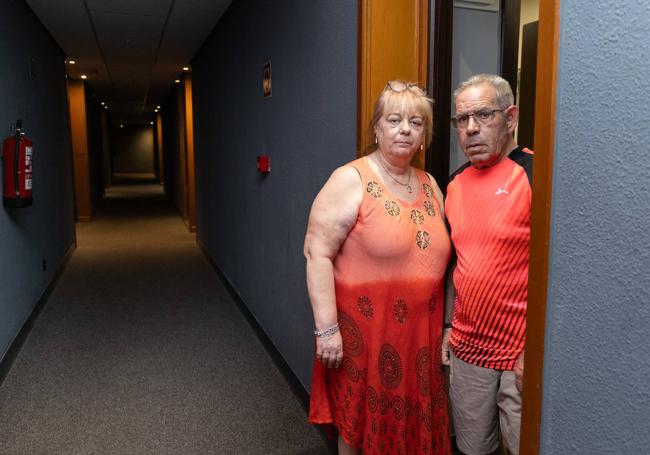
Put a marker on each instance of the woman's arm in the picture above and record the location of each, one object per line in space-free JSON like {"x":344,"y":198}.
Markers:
{"x":438,"y":195}
{"x":450,"y":289}
{"x":333,"y":214}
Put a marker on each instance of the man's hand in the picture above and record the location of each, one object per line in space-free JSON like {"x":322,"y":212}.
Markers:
{"x":329,"y":350}
{"x":444,"y":348}
{"x":519,"y":373}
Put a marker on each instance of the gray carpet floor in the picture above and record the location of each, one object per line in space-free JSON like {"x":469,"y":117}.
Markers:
{"x":141,"y":350}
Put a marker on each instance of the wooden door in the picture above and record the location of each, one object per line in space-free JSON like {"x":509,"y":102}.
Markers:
{"x":393,"y":44}
{"x":546,"y":88}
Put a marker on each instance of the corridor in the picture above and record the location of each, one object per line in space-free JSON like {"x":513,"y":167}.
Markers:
{"x":141,"y":350}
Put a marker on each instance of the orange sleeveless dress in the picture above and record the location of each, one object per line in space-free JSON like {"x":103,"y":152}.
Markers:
{"x":389,"y":394}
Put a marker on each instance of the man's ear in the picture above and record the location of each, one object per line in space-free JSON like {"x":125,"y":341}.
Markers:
{"x":512,"y":118}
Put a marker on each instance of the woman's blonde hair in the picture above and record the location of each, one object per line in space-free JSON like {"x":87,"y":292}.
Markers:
{"x":399,"y":96}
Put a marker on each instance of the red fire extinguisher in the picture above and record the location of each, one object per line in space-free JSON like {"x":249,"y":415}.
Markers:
{"x":17,"y":164}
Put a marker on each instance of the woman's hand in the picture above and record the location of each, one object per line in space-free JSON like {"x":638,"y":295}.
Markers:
{"x":444,"y":348}
{"x":329,"y":350}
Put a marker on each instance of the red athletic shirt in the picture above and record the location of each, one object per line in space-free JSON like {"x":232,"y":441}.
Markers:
{"x":488,"y":211}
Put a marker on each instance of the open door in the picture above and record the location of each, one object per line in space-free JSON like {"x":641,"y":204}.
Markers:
{"x":532,"y":71}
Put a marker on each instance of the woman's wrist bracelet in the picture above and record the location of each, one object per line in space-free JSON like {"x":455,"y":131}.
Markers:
{"x":327,"y":332}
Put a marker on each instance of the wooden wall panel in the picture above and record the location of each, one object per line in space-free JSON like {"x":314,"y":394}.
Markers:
{"x":181,"y":173}
{"x":159,"y":148}
{"x":393,"y":44}
{"x":189,"y":151}
{"x":79,"y":133}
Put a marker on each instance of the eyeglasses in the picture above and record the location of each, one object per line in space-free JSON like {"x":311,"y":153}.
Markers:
{"x":398,"y":86}
{"x":482,"y":117}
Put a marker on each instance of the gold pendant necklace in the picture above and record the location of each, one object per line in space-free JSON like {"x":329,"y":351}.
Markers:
{"x":407,"y":185}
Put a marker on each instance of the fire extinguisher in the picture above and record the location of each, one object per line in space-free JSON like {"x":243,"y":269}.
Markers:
{"x":17,"y":164}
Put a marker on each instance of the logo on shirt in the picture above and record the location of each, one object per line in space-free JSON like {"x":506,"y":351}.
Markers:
{"x":501,"y":191}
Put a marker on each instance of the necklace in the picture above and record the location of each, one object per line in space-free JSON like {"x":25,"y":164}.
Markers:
{"x":407,"y":185}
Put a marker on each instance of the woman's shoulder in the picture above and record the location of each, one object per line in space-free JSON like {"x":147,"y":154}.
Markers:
{"x":347,"y":175}
{"x":359,"y":164}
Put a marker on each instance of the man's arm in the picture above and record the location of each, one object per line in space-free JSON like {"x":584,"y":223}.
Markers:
{"x":450,"y":299}
{"x":519,"y":373}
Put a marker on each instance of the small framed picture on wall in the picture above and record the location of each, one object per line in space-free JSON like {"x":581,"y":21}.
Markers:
{"x":266,"y":80}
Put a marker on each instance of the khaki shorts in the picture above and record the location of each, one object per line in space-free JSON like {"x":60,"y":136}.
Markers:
{"x":484,"y":401}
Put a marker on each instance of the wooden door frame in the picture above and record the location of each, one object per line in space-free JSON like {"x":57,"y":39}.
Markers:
{"x":190,"y":177}
{"x":545,"y":107}
{"x":159,"y":147}
{"x":76,"y":91}
{"x":546,"y":85}
{"x":438,"y":163}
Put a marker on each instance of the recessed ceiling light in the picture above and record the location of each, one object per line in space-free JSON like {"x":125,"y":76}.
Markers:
{"x":72,"y":62}
{"x":83,"y":76}
{"x":155,"y":110}
{"x":102,"y":103}
{"x":157,"y":107}
{"x":186,"y":68}
{"x":105,"y":107}
{"x":178,"y":81}
{"x":121,"y":125}
{"x":150,"y":123}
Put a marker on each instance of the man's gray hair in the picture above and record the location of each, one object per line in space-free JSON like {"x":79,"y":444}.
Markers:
{"x":502,"y":88}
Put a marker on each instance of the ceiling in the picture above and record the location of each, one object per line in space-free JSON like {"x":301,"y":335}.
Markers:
{"x":131,"y":51}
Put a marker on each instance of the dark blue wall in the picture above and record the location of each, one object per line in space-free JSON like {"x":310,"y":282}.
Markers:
{"x":95,"y":158}
{"x":170,"y":136}
{"x":596,"y":360}
{"x":44,"y":231}
{"x":252,"y":225}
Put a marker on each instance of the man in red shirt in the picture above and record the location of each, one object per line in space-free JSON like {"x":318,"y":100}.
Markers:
{"x":488,"y":210}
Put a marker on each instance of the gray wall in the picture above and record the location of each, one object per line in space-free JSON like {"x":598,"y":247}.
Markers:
{"x":132,"y":148}
{"x":476,"y":49}
{"x":596,"y":396}
{"x":44,"y":231}
{"x":252,"y":225}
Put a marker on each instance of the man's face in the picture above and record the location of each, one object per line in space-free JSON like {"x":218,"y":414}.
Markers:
{"x":486,"y":137}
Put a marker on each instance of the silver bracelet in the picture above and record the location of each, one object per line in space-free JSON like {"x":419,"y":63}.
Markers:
{"x":327,"y":332}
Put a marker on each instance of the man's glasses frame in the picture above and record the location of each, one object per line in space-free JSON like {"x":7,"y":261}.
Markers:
{"x":482,"y":117}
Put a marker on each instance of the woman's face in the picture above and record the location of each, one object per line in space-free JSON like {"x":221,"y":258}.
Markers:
{"x":400,"y":134}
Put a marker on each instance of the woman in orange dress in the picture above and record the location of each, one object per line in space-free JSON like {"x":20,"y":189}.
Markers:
{"x":377,"y":250}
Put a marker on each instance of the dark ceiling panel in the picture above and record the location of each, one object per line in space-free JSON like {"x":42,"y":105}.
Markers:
{"x":148,"y":7}
{"x":130,"y":50}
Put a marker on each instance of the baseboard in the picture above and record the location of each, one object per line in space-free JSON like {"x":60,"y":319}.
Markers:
{"x":282,"y":364}
{"x":14,"y":349}
{"x":294,"y":383}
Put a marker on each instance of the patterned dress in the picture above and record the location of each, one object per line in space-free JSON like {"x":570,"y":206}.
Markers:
{"x":389,"y":394}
